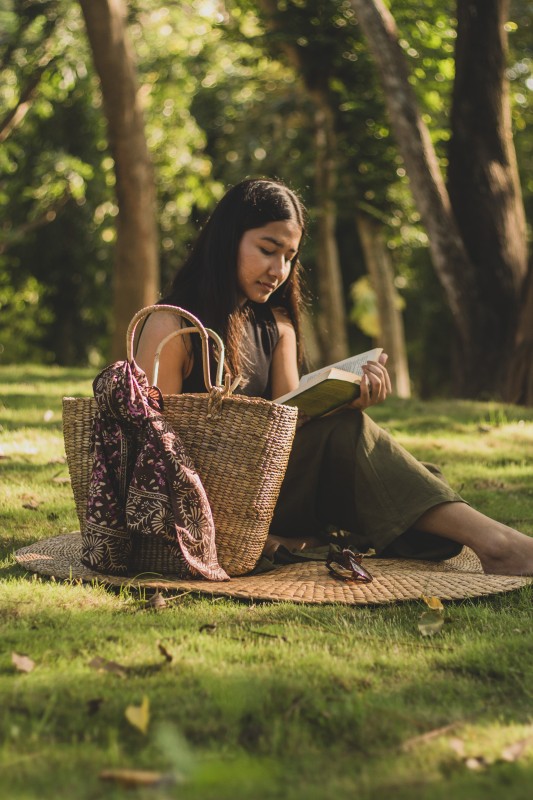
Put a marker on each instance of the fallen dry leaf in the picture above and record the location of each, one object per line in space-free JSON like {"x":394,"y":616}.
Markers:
{"x":32,"y":505}
{"x":209,"y":627}
{"x":164,"y":652}
{"x":139,"y":716}
{"x":458,"y":746}
{"x":476,"y":764}
{"x":61,"y":479}
{"x":135,"y":777}
{"x":157,"y":601}
{"x":108,"y":666}
{"x":22,"y":663}
{"x":433,"y":602}
{"x":516,"y":750}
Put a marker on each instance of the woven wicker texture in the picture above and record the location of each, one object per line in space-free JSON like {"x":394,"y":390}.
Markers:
{"x":241,"y":458}
{"x":308,"y":582}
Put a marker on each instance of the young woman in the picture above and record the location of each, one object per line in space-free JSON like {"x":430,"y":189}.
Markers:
{"x":243,"y":279}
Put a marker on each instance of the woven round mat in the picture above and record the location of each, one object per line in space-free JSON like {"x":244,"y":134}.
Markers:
{"x":304,"y":582}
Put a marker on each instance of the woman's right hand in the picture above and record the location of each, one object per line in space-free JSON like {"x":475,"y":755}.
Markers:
{"x":375,"y":384}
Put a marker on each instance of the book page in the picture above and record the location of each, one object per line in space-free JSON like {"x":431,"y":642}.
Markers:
{"x":353,"y":364}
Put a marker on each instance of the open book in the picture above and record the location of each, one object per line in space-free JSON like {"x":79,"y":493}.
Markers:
{"x":328,"y":388}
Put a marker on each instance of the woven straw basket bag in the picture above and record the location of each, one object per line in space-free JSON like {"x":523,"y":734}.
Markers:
{"x":240,"y":447}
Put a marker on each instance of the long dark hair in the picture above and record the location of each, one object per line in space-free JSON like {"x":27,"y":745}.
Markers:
{"x":206,"y":284}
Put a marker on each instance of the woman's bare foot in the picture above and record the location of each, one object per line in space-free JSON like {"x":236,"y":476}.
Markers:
{"x":502,"y":550}
{"x":506,"y":552}
{"x":295,"y":545}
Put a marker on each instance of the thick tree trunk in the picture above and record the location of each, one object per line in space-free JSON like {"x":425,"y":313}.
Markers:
{"x":449,"y":256}
{"x":136,"y":278}
{"x":454,"y":266}
{"x":483,"y":180}
{"x":332,"y":313}
{"x":518,"y":384}
{"x":392,"y":336}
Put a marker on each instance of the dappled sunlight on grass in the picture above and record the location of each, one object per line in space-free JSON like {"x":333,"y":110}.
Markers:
{"x":43,"y":445}
{"x":499,"y":450}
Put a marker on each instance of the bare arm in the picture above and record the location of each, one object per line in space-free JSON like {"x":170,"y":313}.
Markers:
{"x":175,"y":362}
{"x":285,"y":376}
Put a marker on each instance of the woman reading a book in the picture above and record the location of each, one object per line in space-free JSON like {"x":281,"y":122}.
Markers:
{"x":243,"y":279}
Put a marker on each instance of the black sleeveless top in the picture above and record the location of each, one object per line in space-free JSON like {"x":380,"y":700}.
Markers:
{"x":261,"y":337}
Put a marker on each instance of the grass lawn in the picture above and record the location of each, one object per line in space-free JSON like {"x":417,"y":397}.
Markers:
{"x":266,"y":700}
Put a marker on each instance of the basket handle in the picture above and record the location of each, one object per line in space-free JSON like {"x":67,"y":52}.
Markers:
{"x":185,"y":331}
{"x":197,"y":327}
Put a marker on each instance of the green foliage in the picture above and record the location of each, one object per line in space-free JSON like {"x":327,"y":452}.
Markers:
{"x":170,"y":43}
{"x":54,"y":190}
{"x":24,"y":312}
{"x":221,"y":101}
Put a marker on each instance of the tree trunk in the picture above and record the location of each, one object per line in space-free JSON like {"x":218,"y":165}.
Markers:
{"x":455,"y":268}
{"x":332,"y":328}
{"x":518,"y":386}
{"x":136,"y":277}
{"x":332,"y":313}
{"x":392,"y":336}
{"x":483,"y":179}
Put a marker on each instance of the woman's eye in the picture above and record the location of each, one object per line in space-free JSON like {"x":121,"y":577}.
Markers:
{"x":267,"y":252}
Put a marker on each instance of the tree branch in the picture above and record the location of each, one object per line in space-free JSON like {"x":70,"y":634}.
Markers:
{"x":15,"y":115}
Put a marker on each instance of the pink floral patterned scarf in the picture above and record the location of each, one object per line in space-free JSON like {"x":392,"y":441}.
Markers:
{"x":143,"y":482}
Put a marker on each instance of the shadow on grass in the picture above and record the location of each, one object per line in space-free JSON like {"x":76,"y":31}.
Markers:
{"x":365,"y":703}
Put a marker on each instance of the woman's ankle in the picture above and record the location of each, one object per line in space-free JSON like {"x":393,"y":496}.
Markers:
{"x":507,"y":552}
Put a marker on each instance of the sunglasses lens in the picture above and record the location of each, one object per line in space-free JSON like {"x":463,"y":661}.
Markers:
{"x":353,"y":561}
{"x":340,"y":572}
{"x":350,"y":569}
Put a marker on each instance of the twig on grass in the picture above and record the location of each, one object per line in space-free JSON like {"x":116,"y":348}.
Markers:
{"x":409,"y":744}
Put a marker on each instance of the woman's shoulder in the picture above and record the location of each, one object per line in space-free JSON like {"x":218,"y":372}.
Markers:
{"x":162,"y":321}
{"x":158,"y":326}
{"x":272,"y":321}
{"x":155,"y":327}
{"x":282,"y":319}
{"x":174,"y":356}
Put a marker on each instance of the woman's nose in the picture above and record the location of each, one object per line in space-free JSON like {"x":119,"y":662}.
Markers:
{"x":279,"y":265}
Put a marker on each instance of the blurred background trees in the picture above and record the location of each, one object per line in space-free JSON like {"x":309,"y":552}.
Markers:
{"x":283,"y":88}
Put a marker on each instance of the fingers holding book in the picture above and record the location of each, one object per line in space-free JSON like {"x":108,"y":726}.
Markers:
{"x":344,"y":384}
{"x":375,"y":384}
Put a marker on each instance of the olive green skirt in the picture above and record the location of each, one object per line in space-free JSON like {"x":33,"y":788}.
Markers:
{"x":346,"y":472}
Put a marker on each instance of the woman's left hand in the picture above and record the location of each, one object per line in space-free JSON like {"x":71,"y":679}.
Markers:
{"x":375,"y":384}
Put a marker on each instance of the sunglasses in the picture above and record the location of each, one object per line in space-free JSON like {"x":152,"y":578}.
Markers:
{"x":346,"y":566}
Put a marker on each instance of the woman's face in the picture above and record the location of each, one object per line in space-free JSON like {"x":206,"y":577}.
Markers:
{"x":264,"y":259}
